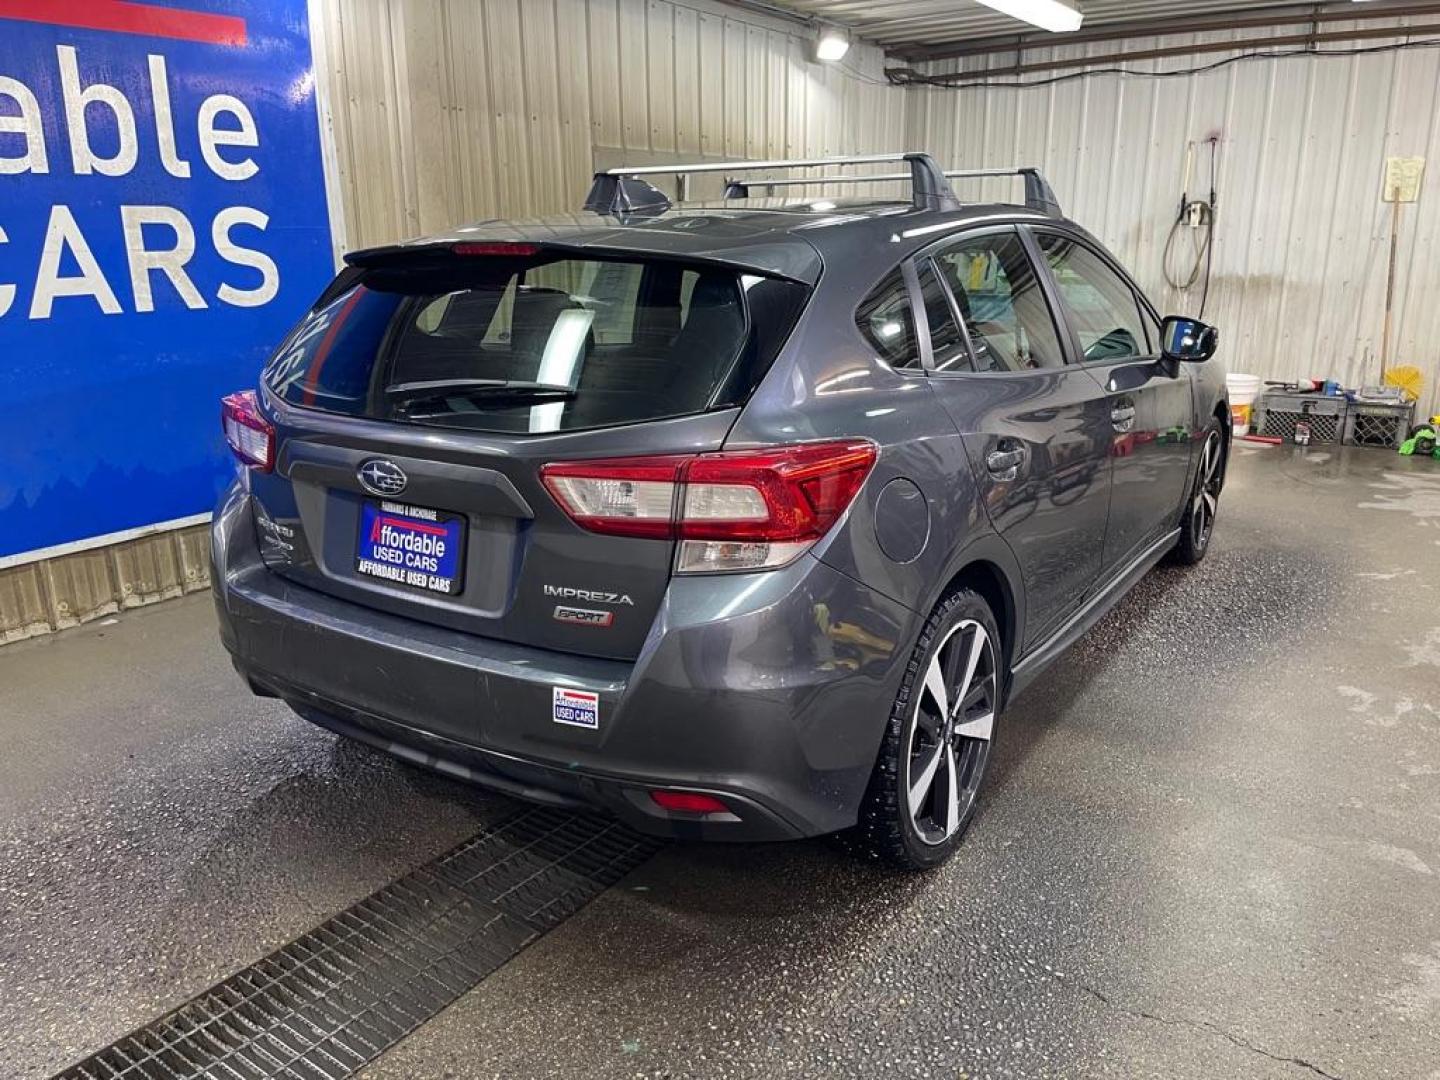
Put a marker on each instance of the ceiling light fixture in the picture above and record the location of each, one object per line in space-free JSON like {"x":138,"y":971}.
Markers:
{"x":1049,"y":15}
{"x":831,"y":44}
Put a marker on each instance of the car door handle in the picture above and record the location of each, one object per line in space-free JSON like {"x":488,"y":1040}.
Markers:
{"x":1005,"y":464}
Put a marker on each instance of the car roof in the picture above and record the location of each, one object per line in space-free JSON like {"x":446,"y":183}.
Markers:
{"x":776,"y":237}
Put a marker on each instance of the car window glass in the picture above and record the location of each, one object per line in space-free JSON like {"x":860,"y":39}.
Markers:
{"x":947,"y":344}
{"x":999,"y":295}
{"x":1101,"y":303}
{"x":610,"y":341}
{"x":885,"y":319}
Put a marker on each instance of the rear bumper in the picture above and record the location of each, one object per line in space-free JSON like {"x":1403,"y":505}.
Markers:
{"x":769,"y":690}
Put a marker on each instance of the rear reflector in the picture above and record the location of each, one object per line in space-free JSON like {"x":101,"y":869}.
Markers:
{"x":689,"y":802}
{"x":736,"y":510}
{"x":250,"y":435}
{"x":497,"y":247}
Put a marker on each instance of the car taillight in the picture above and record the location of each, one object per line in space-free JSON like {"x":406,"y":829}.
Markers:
{"x":249,"y":434}
{"x":735,"y":510}
{"x":621,"y":497}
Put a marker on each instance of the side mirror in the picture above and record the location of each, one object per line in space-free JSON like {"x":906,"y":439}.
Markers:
{"x":1188,"y":339}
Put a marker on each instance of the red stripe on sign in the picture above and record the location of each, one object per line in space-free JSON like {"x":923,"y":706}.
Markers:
{"x":124,"y":17}
{"x":418,"y":526}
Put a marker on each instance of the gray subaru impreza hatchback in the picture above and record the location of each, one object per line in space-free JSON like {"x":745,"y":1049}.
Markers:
{"x":740,"y":520}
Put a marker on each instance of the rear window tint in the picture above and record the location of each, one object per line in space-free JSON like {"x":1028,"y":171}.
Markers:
{"x":536,"y":344}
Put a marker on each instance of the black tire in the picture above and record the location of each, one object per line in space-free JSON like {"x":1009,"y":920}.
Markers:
{"x":1202,"y":505}
{"x":926,"y":837}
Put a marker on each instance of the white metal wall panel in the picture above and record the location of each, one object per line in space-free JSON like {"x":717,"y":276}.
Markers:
{"x":449,"y":111}
{"x":1302,"y":242}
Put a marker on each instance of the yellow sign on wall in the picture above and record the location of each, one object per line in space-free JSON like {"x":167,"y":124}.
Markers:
{"x":1402,"y":178}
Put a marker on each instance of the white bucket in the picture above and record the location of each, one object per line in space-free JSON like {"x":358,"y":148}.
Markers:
{"x":1244,"y":389}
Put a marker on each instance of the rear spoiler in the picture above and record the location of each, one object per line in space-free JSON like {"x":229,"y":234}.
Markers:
{"x":793,"y":262}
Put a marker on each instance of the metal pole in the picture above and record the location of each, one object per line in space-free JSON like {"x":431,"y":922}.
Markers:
{"x":981,"y":75}
{"x":1161,"y":27}
{"x":1390,"y":280}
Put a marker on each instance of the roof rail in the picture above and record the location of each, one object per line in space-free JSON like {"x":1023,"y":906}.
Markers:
{"x":1038,"y":193}
{"x":622,"y":191}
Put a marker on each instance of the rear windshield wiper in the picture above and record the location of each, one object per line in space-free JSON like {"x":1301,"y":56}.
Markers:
{"x":431,"y":389}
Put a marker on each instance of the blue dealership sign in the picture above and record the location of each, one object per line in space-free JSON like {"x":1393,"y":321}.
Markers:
{"x":163,"y":222}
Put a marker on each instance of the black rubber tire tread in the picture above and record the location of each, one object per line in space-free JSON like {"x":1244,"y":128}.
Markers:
{"x":884,"y":827}
{"x":1185,"y":552}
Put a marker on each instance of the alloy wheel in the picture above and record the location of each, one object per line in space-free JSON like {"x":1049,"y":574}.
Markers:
{"x":950,"y":735}
{"x":1207,"y":492}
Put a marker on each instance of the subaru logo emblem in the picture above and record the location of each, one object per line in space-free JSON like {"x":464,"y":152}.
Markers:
{"x":381,"y":477}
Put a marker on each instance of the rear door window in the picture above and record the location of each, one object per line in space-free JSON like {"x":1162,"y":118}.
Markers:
{"x":998,"y":292}
{"x":536,"y":343}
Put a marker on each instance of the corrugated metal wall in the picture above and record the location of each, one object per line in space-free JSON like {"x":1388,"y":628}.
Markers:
{"x":1302,"y":243}
{"x":40,"y":597}
{"x":448,"y":111}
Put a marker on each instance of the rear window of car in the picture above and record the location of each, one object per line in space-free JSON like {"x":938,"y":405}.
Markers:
{"x":536,"y":343}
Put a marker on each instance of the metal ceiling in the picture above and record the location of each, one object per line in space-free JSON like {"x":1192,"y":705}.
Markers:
{"x":911,"y":27}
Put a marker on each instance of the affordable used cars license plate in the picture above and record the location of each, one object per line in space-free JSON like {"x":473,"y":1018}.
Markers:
{"x":410,"y":545}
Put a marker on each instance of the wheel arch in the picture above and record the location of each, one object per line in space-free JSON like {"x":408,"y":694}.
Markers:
{"x":1221,"y":412}
{"x":990,"y":571}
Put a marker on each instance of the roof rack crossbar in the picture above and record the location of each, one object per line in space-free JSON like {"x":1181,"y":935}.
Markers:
{"x":1038,"y":194}
{"x":623,"y":190}
{"x":754,"y":166}
{"x":802,"y":181}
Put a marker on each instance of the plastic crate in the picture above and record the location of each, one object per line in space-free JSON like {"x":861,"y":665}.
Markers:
{"x":1279,"y":412}
{"x":1370,"y":423}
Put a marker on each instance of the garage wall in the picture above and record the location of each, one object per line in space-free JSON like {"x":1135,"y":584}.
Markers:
{"x":1302,"y":243}
{"x":449,"y":111}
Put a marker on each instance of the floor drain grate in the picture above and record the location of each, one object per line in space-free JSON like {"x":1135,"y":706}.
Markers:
{"x":334,"y":999}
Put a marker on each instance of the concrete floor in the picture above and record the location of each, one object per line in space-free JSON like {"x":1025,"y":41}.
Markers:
{"x":1210,"y":848}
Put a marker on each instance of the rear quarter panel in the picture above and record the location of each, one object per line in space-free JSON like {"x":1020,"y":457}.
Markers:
{"x":829,"y":383}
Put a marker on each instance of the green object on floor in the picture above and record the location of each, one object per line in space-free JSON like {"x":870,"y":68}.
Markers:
{"x":1424,"y":441}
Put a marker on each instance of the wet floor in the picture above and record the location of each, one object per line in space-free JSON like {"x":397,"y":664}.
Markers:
{"x":1210,"y":848}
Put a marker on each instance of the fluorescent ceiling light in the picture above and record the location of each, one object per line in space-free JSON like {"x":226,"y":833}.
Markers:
{"x":831,"y":44}
{"x":1047,"y":14}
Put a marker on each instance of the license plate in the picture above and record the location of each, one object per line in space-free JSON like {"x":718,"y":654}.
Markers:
{"x":412,"y":546}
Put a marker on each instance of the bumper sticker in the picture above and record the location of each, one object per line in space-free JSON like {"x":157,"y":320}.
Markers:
{"x":578,"y":708}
